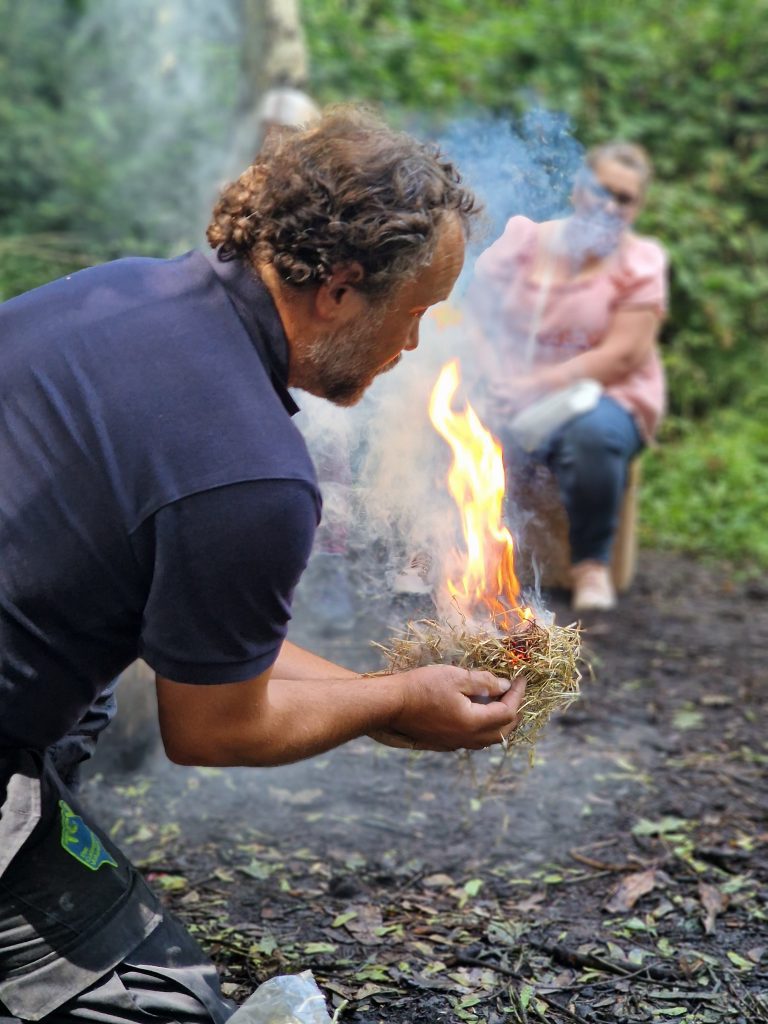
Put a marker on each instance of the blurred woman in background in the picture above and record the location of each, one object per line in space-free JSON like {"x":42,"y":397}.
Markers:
{"x":569,"y":300}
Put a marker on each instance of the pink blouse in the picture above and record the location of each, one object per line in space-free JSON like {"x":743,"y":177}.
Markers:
{"x":575,"y":315}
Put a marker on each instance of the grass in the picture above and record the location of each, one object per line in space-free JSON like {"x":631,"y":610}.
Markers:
{"x":705,"y":491}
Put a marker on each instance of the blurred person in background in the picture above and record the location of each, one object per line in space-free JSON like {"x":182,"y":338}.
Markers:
{"x":157,"y":501}
{"x":572,"y":300}
{"x":283,"y":107}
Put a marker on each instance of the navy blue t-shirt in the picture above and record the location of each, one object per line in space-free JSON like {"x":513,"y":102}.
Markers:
{"x":156,"y":500}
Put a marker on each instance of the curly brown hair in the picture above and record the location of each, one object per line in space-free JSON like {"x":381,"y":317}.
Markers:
{"x":346,"y":189}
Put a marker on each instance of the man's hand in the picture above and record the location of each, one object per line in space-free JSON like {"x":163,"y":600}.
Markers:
{"x":267,"y":721}
{"x":439,"y":714}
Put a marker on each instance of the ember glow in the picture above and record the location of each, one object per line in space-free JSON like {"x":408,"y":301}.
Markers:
{"x":476,"y":481}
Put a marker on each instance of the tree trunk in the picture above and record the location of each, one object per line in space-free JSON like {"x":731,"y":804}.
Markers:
{"x":274,"y":47}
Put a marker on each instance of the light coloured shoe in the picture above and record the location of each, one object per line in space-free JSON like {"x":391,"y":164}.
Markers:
{"x":415,"y":577}
{"x":593,"y":588}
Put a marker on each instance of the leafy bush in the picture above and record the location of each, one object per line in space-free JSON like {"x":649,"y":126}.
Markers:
{"x":706,"y":492}
{"x":687,"y":79}
{"x":116,"y":117}
{"x":115,"y":120}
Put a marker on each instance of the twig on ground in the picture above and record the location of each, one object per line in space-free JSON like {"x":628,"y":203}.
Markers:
{"x":572,"y":958}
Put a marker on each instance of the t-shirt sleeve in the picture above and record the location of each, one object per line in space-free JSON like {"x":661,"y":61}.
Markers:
{"x":645,"y":282}
{"x":225,"y":563}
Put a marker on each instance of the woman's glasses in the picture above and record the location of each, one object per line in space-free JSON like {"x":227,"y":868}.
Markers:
{"x":607,"y":194}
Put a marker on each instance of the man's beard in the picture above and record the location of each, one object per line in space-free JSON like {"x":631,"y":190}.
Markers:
{"x":339,"y":363}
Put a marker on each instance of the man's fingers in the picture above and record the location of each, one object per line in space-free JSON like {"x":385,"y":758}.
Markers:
{"x":514,"y":695}
{"x":485,"y":688}
{"x":485,"y":684}
{"x":500,"y":717}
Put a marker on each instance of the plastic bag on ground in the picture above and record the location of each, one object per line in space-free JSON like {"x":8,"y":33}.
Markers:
{"x":285,"y":999}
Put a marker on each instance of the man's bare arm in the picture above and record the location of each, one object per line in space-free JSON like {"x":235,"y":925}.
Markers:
{"x":269,"y":721}
{"x":297,"y":663}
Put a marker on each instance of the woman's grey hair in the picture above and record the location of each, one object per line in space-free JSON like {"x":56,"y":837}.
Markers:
{"x":630,"y":154}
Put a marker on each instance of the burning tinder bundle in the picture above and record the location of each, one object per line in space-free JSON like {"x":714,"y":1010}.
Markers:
{"x":494,"y":630}
{"x":546,"y":656}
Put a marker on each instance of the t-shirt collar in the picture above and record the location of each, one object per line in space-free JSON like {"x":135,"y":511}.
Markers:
{"x":258,"y":313}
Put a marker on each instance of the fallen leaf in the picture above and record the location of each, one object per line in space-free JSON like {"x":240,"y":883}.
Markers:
{"x":630,"y":889}
{"x":438,"y":881}
{"x":370,"y":988}
{"x":343,"y":918}
{"x":363,"y":924}
{"x":257,"y":869}
{"x":531,"y":902}
{"x":300,"y":798}
{"x":687,"y":718}
{"x":319,"y":947}
{"x":714,"y":902}
{"x":373,"y":972}
{"x":506,"y":932}
{"x":716,"y":700}
{"x":663,"y":908}
{"x":667,"y":825}
{"x":756,"y":953}
{"x":739,"y":961}
{"x":168,"y":883}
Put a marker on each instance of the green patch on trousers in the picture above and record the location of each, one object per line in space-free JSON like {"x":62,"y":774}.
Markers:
{"x":81,"y":841}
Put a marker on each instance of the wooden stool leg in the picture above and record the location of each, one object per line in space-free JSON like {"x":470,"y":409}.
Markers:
{"x":546,"y":534}
{"x":624,"y":556}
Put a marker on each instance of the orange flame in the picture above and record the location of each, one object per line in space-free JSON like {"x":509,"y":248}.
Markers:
{"x":476,"y":481}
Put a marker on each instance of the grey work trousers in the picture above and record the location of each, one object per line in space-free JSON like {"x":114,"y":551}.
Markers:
{"x":82,"y":938}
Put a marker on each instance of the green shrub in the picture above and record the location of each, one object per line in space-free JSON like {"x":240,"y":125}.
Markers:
{"x":705,"y":490}
{"x":688,"y":79}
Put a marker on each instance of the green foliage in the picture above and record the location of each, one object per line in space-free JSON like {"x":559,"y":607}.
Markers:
{"x":115,"y":117}
{"x":706,"y":491}
{"x":687,"y":78}
{"x":114,"y":120}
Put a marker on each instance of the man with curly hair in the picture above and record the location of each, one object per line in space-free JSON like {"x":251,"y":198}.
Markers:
{"x":156,"y":501}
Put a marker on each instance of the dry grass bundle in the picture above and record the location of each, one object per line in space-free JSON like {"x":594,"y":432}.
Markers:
{"x":547,"y":656}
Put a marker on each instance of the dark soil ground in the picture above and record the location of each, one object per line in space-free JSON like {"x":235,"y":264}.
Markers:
{"x":622,"y":878}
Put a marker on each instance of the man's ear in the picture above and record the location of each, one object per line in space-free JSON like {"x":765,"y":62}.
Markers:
{"x":339,"y":299}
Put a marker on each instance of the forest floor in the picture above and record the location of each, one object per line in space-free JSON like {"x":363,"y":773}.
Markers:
{"x":624,"y":877}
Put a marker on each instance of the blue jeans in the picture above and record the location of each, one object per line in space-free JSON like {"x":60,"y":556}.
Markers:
{"x":589,"y":457}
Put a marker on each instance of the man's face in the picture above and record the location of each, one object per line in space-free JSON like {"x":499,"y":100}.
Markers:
{"x":345,"y":362}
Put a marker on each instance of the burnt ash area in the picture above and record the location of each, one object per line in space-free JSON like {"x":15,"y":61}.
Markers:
{"x":621,"y":878}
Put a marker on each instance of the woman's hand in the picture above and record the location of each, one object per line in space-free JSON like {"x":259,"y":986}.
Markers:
{"x":507,"y":398}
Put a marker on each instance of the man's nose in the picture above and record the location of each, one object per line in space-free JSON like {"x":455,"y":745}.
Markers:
{"x":413,"y":337}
